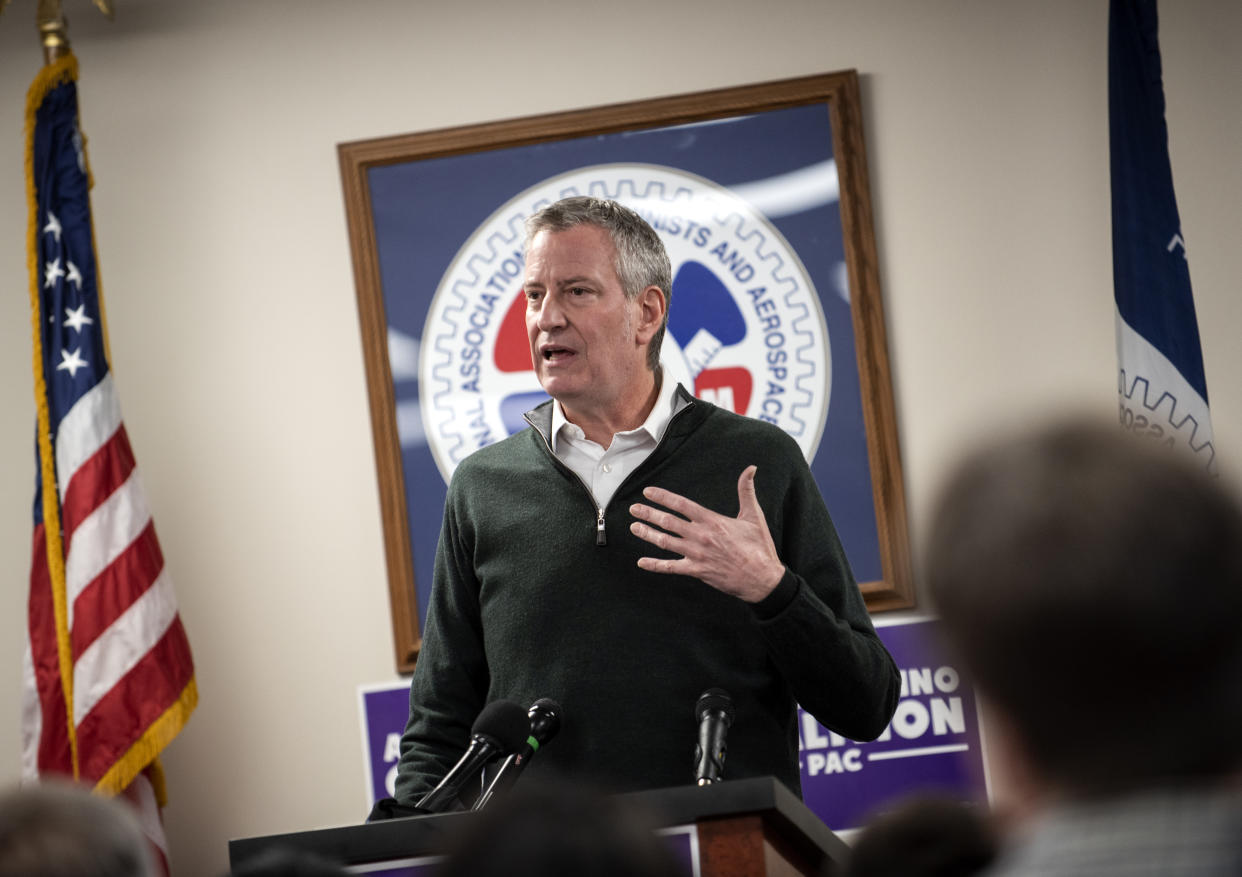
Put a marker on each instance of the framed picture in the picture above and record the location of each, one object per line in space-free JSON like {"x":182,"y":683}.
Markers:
{"x":760,"y":194}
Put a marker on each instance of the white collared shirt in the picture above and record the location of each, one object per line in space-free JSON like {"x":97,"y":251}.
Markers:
{"x":603,"y":469}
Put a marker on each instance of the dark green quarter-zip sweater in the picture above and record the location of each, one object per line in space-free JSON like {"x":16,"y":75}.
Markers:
{"x":532,"y":599}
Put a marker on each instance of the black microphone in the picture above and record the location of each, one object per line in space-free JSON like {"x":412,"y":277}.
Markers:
{"x":545,"y":721}
{"x":714,"y":712}
{"x":500,"y":729}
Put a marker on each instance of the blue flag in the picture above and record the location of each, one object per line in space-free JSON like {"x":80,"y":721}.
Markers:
{"x":1162,"y":387}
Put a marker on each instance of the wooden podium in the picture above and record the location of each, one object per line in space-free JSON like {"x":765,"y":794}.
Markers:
{"x":740,"y":828}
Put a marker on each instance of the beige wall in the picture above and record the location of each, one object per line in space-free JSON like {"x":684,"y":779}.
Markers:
{"x":235,"y":343}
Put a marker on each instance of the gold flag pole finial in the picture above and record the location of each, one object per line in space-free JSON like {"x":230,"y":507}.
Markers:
{"x":53,"y":27}
{"x":53,"y":31}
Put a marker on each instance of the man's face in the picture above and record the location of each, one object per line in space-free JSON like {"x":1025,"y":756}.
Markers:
{"x":587,"y":340}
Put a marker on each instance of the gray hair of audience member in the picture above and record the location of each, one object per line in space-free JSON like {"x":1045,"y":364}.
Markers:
{"x":554,"y":826}
{"x":641,"y":259}
{"x":924,"y":835}
{"x":57,"y":829}
{"x":1091,"y":584}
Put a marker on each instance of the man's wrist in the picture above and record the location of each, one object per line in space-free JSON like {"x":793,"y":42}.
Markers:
{"x":778,"y":597}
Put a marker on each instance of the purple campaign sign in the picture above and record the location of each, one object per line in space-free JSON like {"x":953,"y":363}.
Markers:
{"x":931,"y":745}
{"x":385,"y":708}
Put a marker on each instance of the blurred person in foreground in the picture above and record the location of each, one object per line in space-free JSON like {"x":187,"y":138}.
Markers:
{"x":57,"y":829}
{"x":288,"y":862}
{"x":1091,"y":584}
{"x":555,"y":826}
{"x":924,"y":835}
{"x":621,"y":555}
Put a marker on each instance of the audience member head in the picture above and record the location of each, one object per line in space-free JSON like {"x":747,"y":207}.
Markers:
{"x":56,"y":829}
{"x":924,"y":836}
{"x":287,"y":862}
{"x":546,"y":827}
{"x":641,"y":258}
{"x":1091,"y":585}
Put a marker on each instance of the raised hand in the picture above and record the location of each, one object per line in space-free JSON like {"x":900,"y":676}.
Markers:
{"x":734,"y":555}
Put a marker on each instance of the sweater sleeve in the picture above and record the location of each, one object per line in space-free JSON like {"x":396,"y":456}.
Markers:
{"x":816,"y":625}
{"x":451,"y":676}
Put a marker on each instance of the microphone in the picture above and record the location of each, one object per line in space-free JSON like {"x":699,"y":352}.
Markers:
{"x":500,"y":729}
{"x":545,"y":721}
{"x":714,"y":712}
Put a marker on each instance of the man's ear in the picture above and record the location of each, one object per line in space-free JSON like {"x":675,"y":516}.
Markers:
{"x":652,"y":307}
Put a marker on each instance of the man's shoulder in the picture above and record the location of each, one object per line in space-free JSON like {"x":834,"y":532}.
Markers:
{"x":718,"y":423}
{"x":518,"y":448}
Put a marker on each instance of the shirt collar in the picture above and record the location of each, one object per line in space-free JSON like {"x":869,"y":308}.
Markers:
{"x":655,"y":424}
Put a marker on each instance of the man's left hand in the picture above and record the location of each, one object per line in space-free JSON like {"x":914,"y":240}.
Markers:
{"x":734,"y":555}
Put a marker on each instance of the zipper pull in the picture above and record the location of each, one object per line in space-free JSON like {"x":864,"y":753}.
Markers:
{"x":600,"y":537}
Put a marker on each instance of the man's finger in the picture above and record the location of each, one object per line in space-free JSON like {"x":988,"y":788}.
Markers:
{"x":746,"y":487}
{"x":662,"y":519}
{"x":688,"y":508}
{"x":656,"y":564}
{"x":656,"y":537}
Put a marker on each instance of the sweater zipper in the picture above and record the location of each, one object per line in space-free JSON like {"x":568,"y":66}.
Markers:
{"x":601,"y":534}
{"x":601,"y":537}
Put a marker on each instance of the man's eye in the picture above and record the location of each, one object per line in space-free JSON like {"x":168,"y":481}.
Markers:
{"x":577,"y":291}
{"x":531,"y":294}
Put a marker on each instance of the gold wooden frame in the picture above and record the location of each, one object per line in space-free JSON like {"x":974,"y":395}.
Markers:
{"x":840,"y":93}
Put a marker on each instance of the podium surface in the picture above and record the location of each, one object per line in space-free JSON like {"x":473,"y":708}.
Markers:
{"x":738,"y":827}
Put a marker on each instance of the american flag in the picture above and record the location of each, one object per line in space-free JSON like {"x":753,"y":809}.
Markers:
{"x":109,"y":680}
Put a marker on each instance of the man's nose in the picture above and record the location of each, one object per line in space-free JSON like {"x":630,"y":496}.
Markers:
{"x":551,"y":314}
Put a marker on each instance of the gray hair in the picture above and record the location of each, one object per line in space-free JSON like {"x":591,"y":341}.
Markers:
{"x":58,"y":828}
{"x":641,"y":259}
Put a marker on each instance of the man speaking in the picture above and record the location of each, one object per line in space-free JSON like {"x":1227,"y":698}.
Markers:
{"x":633,"y":548}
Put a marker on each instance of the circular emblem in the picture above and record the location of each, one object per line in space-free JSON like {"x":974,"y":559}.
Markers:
{"x":745,"y":328}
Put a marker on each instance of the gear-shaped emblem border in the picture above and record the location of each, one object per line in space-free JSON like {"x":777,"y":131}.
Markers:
{"x":466,"y":311}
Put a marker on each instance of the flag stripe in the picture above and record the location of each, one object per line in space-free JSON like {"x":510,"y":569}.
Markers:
{"x":90,"y":422}
{"x":116,"y":589}
{"x":121,"y":715}
{"x":103,"y":536}
{"x":31,"y":716}
{"x":47,"y":736}
{"x":95,"y":480}
{"x":115,"y":652}
{"x":142,"y":796}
